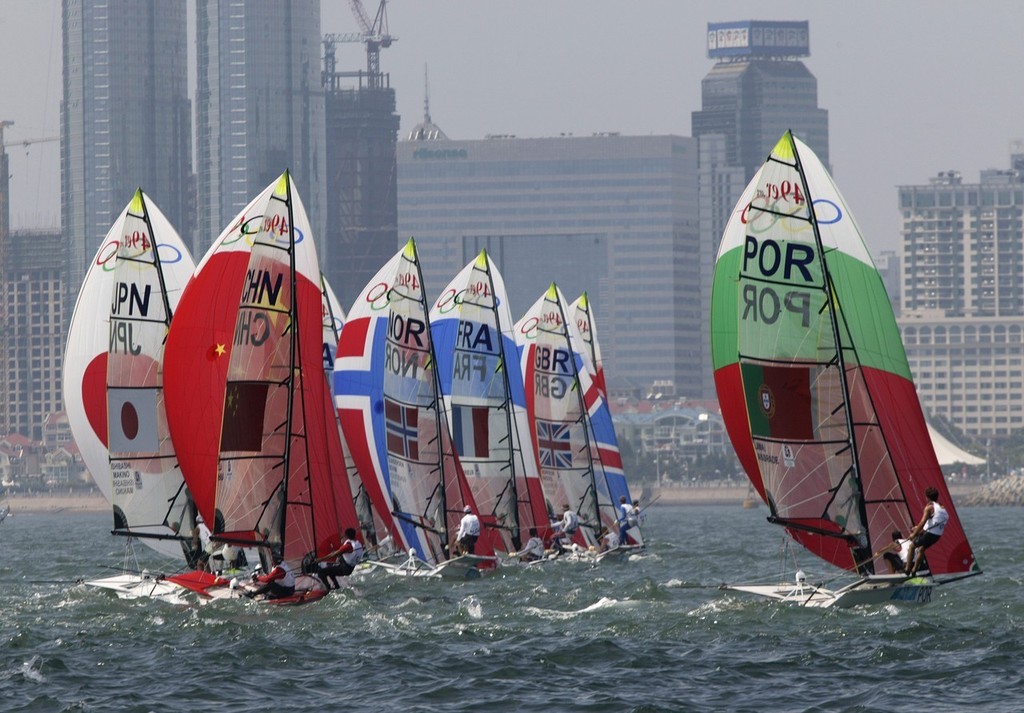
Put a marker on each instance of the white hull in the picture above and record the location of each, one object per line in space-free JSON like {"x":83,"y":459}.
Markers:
{"x":464,"y":567}
{"x":884,"y":589}
{"x":135,"y":586}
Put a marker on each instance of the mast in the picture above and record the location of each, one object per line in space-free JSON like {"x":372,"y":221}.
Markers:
{"x":168,"y":316}
{"x":516,"y":532}
{"x":832,"y":305}
{"x":137,"y":251}
{"x":583,"y":410}
{"x":294,"y":355}
{"x":440,"y":419}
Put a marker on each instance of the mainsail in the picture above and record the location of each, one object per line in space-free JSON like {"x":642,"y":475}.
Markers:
{"x":478,"y":362}
{"x":386,"y":390}
{"x":123,"y":307}
{"x":811,"y":374}
{"x":333,"y":321}
{"x":197,"y":353}
{"x":275,"y":487}
{"x":583,"y":314}
{"x":560,"y":398}
{"x":605,"y":442}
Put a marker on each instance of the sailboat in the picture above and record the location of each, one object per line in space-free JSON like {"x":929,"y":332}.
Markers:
{"x":388,"y":399}
{"x":815,"y":389}
{"x":561,"y":400}
{"x":333,"y":321}
{"x":197,"y":352}
{"x":472,"y":328}
{"x":276,"y":490}
{"x":115,"y":403}
{"x":606,"y":442}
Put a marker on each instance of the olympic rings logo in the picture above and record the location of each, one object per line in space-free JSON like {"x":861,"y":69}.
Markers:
{"x":247,"y":228}
{"x":379,"y":296}
{"x":168,"y":254}
{"x":529,"y":328}
{"x":449,"y":300}
{"x":107,"y":256}
{"x":824,"y":217}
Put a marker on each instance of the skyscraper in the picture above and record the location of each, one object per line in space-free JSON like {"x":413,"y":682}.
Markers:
{"x":611,"y":215}
{"x":33,"y":319}
{"x":362,"y":177}
{"x":962,"y":261}
{"x":125,"y":119}
{"x":757,"y":90}
{"x":259,"y":106}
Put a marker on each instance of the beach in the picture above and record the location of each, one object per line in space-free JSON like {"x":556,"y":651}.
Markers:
{"x":54,"y":502}
{"x":722,"y":494}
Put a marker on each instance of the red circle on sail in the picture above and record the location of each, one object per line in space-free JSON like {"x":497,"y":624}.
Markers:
{"x":129,"y":421}
{"x":94,"y":396}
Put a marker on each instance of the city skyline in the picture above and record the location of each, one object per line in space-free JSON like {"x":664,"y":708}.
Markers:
{"x":897,"y":116}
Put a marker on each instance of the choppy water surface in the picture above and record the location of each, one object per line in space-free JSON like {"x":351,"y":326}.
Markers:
{"x":651,"y":634}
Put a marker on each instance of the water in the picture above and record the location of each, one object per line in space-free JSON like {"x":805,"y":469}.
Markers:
{"x":652,"y":634}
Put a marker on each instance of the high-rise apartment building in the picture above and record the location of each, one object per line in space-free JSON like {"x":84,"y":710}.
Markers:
{"x":757,"y":90}
{"x":612,"y":215}
{"x":259,"y":107}
{"x":361,"y":232}
{"x":962,"y":320}
{"x":32,"y":322}
{"x":125,"y":120}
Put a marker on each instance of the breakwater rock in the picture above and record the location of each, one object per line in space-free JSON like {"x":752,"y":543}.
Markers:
{"x":1005,"y":491}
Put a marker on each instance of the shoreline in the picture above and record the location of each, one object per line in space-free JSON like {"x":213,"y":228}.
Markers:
{"x":692,"y":495}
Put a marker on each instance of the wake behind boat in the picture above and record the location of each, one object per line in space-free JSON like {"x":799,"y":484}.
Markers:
{"x":815,"y":388}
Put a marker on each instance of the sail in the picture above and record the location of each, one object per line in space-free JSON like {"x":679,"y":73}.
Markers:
{"x":482,"y":384}
{"x":148,"y":493}
{"x":605,"y":441}
{"x":275,"y":486}
{"x":812,"y":377}
{"x":584,"y":317}
{"x":85,"y":358}
{"x":197,"y":353}
{"x":559,"y":397}
{"x":369,"y":522}
{"x":387,"y":396}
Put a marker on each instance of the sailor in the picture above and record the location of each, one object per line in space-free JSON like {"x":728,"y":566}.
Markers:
{"x":896,"y":553}
{"x":469,"y":532}
{"x":927,"y":531}
{"x":566,"y":527}
{"x":348,"y":554}
{"x":627,"y":519}
{"x":202,"y":547}
{"x":610,"y":541}
{"x":533,"y":551}
{"x":278,"y":583}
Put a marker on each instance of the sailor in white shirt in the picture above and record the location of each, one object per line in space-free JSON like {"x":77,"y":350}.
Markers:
{"x":534,"y":549}
{"x":469,"y":532}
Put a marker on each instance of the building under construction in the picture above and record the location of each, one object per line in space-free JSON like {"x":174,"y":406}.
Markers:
{"x":362,"y":191}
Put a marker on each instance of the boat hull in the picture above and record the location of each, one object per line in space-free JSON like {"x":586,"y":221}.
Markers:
{"x":136,"y":586}
{"x":867,"y":591}
{"x":464,"y":567}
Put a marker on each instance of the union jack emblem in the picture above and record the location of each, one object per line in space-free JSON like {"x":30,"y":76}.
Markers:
{"x":554,"y":444}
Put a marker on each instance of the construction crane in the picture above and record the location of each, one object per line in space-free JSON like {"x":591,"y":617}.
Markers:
{"x":374,"y":34}
{"x":22,"y":142}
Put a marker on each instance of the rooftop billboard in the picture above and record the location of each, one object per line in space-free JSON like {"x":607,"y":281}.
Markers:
{"x":758,"y":38}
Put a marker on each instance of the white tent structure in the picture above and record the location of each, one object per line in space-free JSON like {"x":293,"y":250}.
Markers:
{"x":949,"y":454}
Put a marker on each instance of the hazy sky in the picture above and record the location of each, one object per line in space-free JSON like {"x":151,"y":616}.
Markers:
{"x":912,"y":87}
